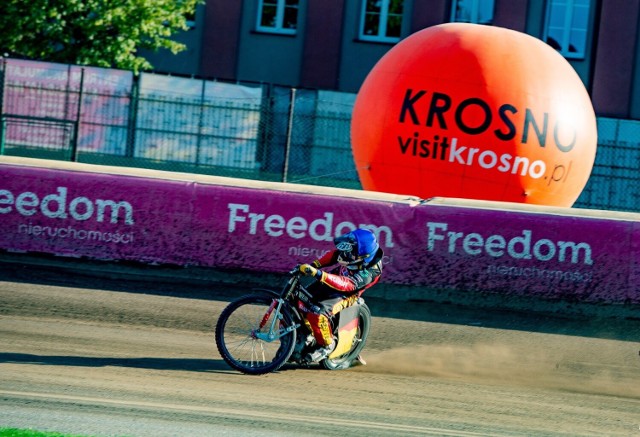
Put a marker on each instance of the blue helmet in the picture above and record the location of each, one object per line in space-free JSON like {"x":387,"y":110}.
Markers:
{"x":356,"y":247}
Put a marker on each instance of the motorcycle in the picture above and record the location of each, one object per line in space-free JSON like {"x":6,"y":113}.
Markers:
{"x":260,"y":332}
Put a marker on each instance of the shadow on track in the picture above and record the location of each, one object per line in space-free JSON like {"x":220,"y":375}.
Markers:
{"x":177,"y":364}
{"x":186,"y":364}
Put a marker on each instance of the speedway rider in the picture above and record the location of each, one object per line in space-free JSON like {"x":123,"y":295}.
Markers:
{"x":358,"y":266}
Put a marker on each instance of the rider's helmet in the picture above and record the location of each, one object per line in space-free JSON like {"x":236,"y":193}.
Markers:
{"x":356,"y":247}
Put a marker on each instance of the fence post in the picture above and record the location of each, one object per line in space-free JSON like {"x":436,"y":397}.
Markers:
{"x":2,"y":140}
{"x":133,"y":117}
{"x":287,"y":150}
{"x":76,"y":127}
{"x":2,"y":122}
{"x":200,"y":124}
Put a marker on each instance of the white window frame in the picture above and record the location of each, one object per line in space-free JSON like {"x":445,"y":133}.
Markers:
{"x":382,"y":27}
{"x":279,"y":25}
{"x":568,"y":27}
{"x":478,"y":11}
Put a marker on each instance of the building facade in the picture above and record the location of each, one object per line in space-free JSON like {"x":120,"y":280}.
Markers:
{"x":332,"y":45}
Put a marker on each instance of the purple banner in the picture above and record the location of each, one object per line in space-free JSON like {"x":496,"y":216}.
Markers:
{"x":154,"y":217}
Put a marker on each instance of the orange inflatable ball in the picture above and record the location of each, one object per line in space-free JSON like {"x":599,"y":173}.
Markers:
{"x":478,"y":112}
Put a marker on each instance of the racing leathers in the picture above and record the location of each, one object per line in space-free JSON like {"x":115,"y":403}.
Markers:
{"x":337,"y":289}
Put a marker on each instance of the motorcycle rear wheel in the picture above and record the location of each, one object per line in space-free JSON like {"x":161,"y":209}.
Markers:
{"x":242,"y":344}
{"x":344,"y":361}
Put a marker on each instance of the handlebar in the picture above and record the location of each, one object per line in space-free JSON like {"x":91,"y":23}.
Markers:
{"x":295,"y":271}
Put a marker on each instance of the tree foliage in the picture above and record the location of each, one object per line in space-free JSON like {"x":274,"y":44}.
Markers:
{"x":103,"y":33}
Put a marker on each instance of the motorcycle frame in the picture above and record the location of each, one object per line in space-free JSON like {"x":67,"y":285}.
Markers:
{"x":347,"y":319}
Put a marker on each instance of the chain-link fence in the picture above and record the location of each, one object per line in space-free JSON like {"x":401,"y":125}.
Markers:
{"x":252,"y":131}
{"x":105,"y":116}
{"x":614,"y":183}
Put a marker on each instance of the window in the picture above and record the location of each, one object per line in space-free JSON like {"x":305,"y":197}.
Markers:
{"x":191,"y":19}
{"x":566,"y":26}
{"x":472,"y":11}
{"x":381,"y":20}
{"x":278,"y":16}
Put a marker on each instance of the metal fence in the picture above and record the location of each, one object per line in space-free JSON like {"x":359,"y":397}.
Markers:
{"x":614,"y":183}
{"x":252,"y":131}
{"x":108,"y":117}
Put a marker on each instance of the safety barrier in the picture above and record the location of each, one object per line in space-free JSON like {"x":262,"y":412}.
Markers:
{"x":149,"y":216}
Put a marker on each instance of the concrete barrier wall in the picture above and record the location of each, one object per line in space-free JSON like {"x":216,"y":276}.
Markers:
{"x":168,"y":218}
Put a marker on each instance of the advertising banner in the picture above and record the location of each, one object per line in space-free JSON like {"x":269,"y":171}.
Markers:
{"x":51,"y":92}
{"x":215,"y":222}
{"x":197,"y":112}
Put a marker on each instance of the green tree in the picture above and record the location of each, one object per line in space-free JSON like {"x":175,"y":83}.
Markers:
{"x":102,"y":33}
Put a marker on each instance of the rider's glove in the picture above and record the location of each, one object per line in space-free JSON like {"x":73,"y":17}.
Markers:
{"x":309,"y":270}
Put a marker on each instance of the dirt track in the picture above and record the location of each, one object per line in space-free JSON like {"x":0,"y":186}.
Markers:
{"x":85,"y":355}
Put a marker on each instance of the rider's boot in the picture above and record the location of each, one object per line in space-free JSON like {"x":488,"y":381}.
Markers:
{"x":310,"y":341}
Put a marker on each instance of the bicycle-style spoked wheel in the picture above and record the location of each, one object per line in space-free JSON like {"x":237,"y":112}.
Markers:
{"x":253,"y":337}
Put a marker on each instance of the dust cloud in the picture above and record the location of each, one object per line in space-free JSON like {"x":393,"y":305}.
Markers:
{"x":484,"y":363}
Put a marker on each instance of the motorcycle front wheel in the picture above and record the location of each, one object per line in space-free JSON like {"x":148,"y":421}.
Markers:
{"x":254,"y":338}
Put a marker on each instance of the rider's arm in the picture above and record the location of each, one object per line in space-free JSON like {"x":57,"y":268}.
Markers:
{"x":363,"y":279}
{"x":328,"y":259}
